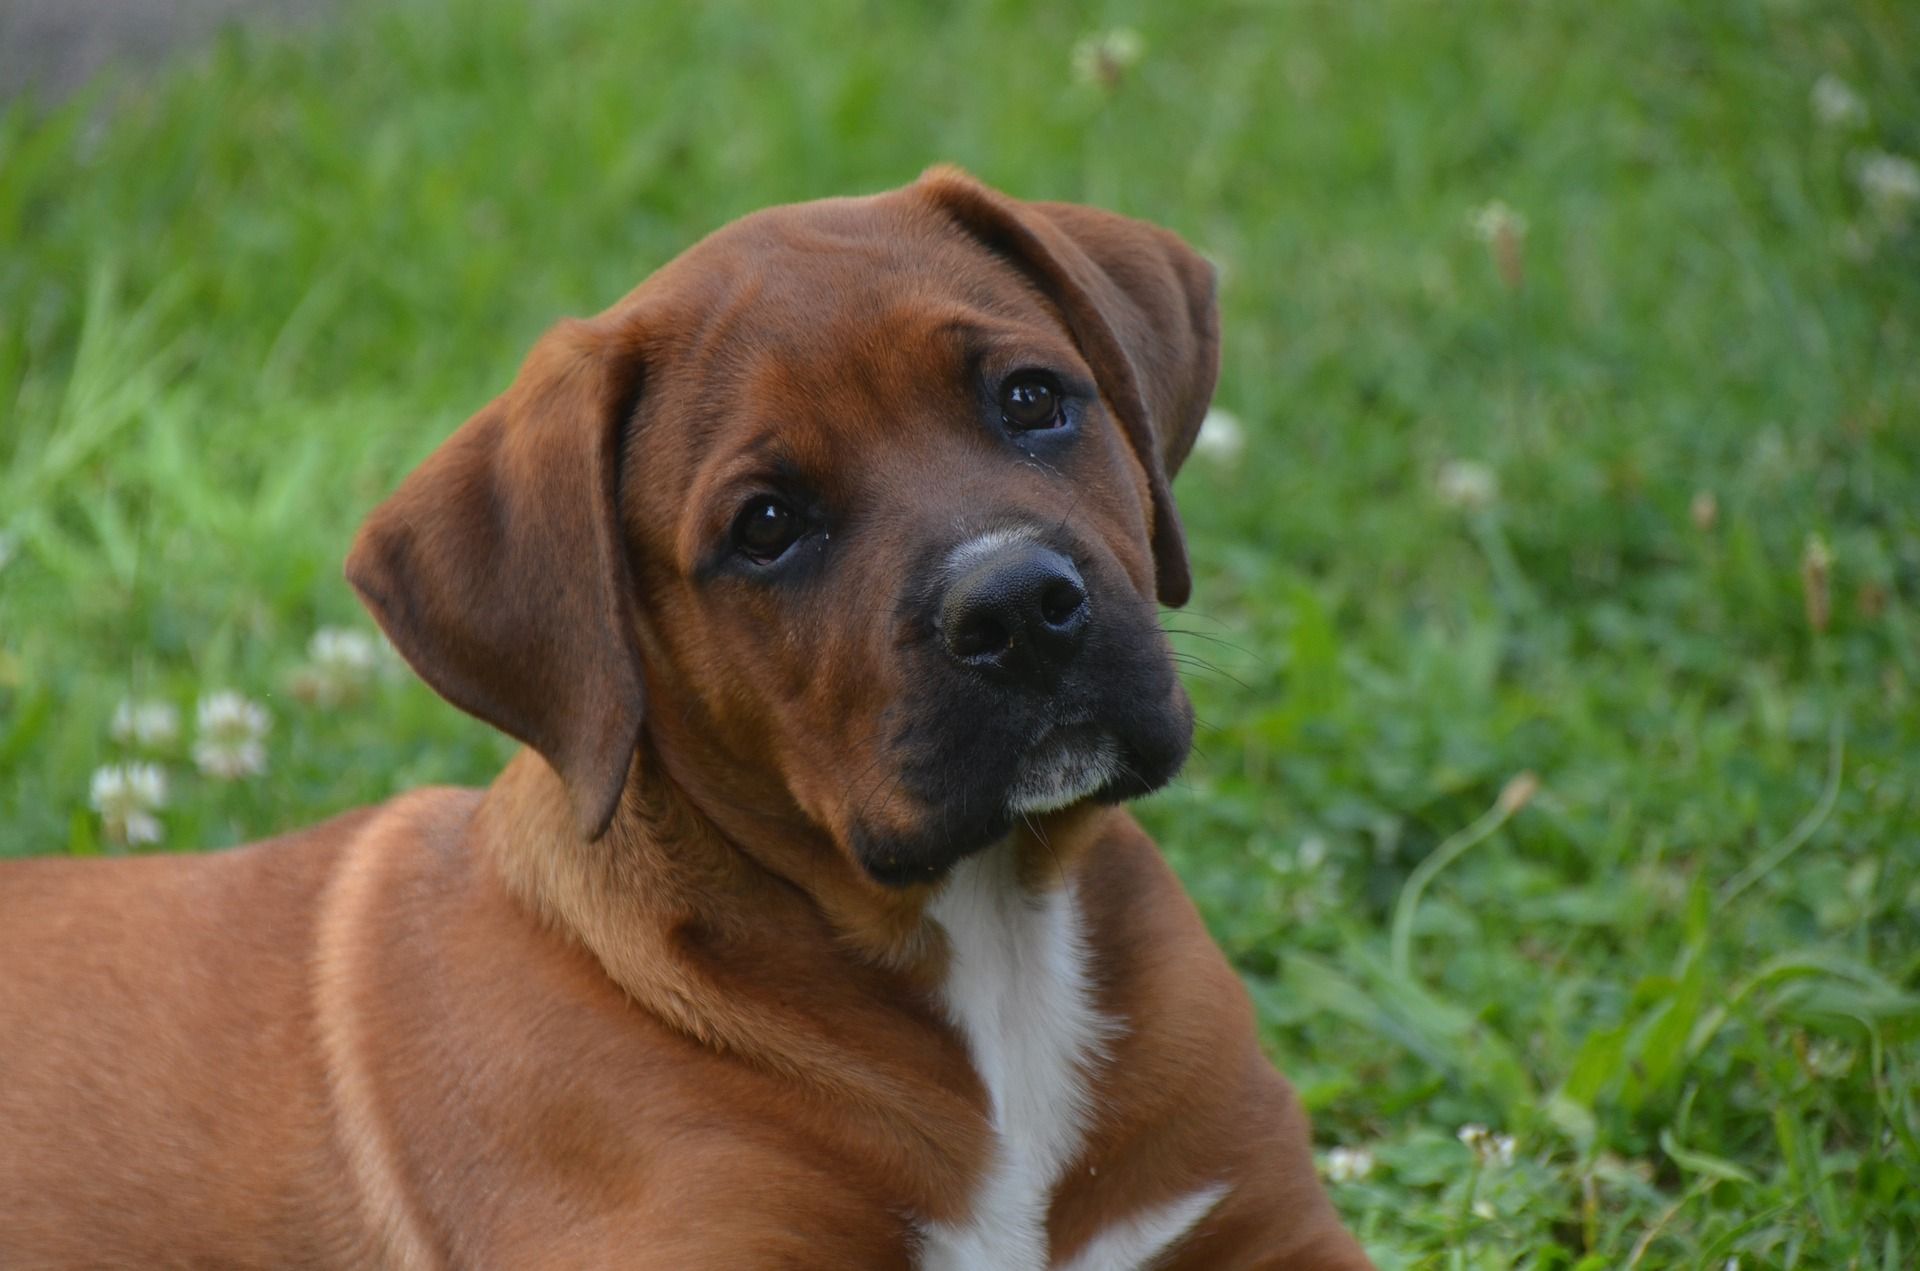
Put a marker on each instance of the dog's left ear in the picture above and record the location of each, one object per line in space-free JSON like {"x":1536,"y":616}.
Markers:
{"x":500,"y":572}
{"x":1140,"y":303}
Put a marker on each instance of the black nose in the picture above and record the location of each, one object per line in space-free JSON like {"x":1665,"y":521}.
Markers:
{"x":1018,"y":615}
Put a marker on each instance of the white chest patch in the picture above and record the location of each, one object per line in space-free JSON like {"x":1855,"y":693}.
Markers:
{"x":1140,"y":1240}
{"x":1017,"y":989}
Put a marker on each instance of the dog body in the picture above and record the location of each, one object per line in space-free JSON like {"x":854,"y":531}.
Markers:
{"x":818,"y":575}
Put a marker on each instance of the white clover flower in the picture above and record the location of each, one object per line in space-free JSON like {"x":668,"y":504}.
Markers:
{"x":1490,"y":1149}
{"x":150,"y":725}
{"x":1467,"y":484}
{"x":1504,"y":231}
{"x":1836,"y":105}
{"x":126,"y":796}
{"x":1221,"y":436}
{"x":341,"y":661}
{"x":1494,"y":220}
{"x":343,"y":650}
{"x":1311,"y":854}
{"x":232,"y":742}
{"x":1349,"y":1164}
{"x":1890,"y":182}
{"x":1829,"y":1058}
{"x":1104,"y":58}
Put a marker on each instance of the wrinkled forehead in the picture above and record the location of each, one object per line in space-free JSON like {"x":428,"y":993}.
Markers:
{"x":811,"y":282}
{"x":836,"y":310}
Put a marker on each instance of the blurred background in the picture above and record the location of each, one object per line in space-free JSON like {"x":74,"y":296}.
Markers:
{"x":1557,"y":532}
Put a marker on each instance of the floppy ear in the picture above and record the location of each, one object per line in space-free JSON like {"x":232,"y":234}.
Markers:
{"x":500,"y":572}
{"x":1141,"y":305}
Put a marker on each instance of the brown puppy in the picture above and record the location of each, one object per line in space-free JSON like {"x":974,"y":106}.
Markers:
{"x":818,"y":575}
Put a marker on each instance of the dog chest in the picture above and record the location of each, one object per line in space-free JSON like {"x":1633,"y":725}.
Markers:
{"x":1018,"y":988}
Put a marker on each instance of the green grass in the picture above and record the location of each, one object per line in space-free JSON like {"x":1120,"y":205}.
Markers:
{"x":1685,"y":975}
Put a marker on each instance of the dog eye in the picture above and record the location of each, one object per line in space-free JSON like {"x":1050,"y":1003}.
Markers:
{"x":1031,"y":401}
{"x":765,"y":529}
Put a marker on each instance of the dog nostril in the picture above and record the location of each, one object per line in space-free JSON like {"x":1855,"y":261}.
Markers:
{"x":984,"y":634}
{"x":1061,"y":601}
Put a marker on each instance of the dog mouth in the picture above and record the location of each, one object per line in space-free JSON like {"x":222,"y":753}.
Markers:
{"x":1094,"y":716}
{"x":1064,"y":765}
{"x":1060,"y":766}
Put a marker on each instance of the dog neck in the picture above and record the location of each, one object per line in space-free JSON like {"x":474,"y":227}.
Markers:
{"x":765,"y":952}
{"x":663,"y":891}
{"x":742,"y":962}
{"x":670,"y":897}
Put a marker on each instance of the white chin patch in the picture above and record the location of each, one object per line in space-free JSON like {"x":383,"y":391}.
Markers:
{"x":1063,"y":769}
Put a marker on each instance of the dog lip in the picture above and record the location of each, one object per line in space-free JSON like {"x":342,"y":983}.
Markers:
{"x":1063,"y":765}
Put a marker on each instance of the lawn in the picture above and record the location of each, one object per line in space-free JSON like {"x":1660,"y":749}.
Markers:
{"x":1557,"y":630}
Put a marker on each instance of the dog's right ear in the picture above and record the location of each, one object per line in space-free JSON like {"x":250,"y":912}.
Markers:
{"x":499,"y":568}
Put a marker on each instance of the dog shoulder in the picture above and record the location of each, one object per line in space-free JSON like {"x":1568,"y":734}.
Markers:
{"x":164,"y":1000}
{"x":1195,"y":1123}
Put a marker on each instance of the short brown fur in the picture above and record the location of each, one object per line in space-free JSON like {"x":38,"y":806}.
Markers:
{"x":637,"y":1003}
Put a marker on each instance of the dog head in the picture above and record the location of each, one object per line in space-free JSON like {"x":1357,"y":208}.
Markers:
{"x":858,"y":508}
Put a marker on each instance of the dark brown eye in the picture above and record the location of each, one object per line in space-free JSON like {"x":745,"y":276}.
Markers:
{"x":1031,"y":401}
{"x":765,"y":529}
